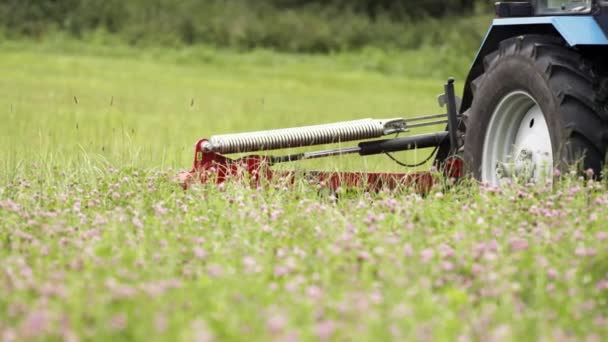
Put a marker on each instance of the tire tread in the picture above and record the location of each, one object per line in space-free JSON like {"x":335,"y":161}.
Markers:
{"x":579,"y":85}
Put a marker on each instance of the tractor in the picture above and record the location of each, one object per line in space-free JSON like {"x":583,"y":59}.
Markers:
{"x":535,"y":101}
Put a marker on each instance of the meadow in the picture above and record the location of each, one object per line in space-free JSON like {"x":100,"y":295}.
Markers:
{"x":98,"y":242}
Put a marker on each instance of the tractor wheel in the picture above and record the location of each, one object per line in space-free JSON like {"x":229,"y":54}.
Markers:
{"x":539,"y":106}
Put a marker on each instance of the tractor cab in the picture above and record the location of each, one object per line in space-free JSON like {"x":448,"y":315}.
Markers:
{"x":545,"y":8}
{"x":557,"y":7}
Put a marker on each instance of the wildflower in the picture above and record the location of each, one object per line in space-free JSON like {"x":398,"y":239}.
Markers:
{"x":159,"y":209}
{"x":280,"y":271}
{"x":26,"y":272}
{"x":137,"y":222}
{"x":408,"y":251}
{"x":276,"y":323}
{"x":201,"y":331}
{"x":600,"y":321}
{"x":445,"y":251}
{"x":447,"y":266}
{"x":578,"y":235}
{"x":118,"y":322}
{"x":477,"y":269}
{"x":291,"y":336}
{"x":160,"y":322}
{"x":9,"y":335}
{"x":275,"y":214}
{"x":557,"y":173}
{"x":552,"y":273}
{"x":153,"y":289}
{"x":199,"y":253}
{"x":214,"y":271}
{"x":582,"y":251}
{"x":35,"y":324}
{"x":249,"y":261}
{"x":501,"y":333}
{"x":99,"y":220}
{"x":325,"y":330}
{"x":518,"y":244}
{"x":363,"y":256}
{"x":314,"y":292}
{"x":602,"y":285}
{"x":376,"y":297}
{"x":120,"y":291}
{"x":426,"y":255}
{"x":53,"y":290}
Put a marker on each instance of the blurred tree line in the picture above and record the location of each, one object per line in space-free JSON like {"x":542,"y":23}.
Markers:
{"x":398,"y":9}
{"x":289,"y":25}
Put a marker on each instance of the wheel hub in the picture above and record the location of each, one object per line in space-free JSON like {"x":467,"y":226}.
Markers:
{"x":522,"y":167}
{"x":517,"y":145}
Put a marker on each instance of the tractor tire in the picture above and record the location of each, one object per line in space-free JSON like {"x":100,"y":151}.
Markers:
{"x":535,"y":88}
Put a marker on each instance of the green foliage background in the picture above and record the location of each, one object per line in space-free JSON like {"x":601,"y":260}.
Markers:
{"x":286,"y":25}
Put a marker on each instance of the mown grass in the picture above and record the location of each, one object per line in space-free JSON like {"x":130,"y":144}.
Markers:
{"x":97,"y":242}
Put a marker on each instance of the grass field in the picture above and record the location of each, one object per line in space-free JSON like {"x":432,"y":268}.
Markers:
{"x":97,"y":242}
{"x":148,"y":108}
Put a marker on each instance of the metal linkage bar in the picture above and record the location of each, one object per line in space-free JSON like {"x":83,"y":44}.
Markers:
{"x":313,"y":155}
{"x":371,"y":147}
{"x":425,"y":117}
{"x":452,"y":115}
{"x":402,"y":144}
{"x":429,"y":123}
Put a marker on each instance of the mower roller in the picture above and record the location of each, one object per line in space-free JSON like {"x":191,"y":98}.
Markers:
{"x":535,"y":101}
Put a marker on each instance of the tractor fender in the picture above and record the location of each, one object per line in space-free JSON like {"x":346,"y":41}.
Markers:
{"x":575,"y":30}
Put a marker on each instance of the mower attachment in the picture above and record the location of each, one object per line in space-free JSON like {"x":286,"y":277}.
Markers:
{"x":211,"y":164}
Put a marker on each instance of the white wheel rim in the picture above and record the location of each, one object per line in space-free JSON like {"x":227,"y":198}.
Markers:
{"x":517,"y":144}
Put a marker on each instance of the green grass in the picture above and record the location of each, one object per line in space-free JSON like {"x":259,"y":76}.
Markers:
{"x":97,"y":242}
{"x":147,"y":108}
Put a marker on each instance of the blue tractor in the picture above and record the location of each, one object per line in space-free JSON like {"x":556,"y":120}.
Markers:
{"x":536,"y":98}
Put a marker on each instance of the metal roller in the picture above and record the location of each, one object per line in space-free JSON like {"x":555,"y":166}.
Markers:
{"x":304,"y":136}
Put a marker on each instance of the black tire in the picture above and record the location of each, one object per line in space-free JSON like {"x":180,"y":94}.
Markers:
{"x":570,"y":91}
